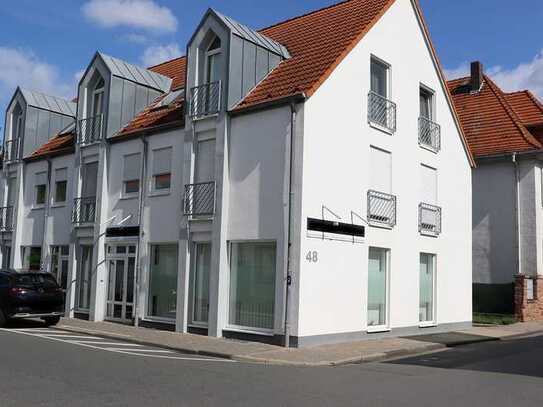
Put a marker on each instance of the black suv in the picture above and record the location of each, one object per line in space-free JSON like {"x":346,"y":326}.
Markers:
{"x":27,"y":294}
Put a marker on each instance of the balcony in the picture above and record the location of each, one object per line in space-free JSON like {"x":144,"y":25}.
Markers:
{"x":205,"y":100}
{"x":90,"y":130}
{"x":381,"y":209}
{"x":429,"y":219}
{"x":381,"y":112}
{"x":84,"y":210}
{"x":199,"y":199}
{"x":429,"y":134}
{"x":6,"y":219}
{"x":11,"y":151}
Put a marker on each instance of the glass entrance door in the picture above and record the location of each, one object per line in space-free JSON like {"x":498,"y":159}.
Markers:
{"x":121,"y":281}
{"x":200,"y":284}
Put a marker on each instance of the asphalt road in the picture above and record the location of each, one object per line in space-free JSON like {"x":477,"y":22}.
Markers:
{"x":41,"y":367}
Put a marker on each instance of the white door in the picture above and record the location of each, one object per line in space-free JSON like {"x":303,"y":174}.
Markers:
{"x":121,"y":282}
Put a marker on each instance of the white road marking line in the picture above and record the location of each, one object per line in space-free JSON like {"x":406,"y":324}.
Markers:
{"x":104,"y":343}
{"x":34,"y":330}
{"x":69,"y":336}
{"x":139,"y":350}
{"x":126,"y":352}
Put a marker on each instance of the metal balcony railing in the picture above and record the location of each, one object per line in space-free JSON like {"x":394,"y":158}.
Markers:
{"x":381,"y":209}
{"x":429,"y":134}
{"x":199,"y":199}
{"x":429,"y":219}
{"x":11,"y":150}
{"x":382,"y":112}
{"x":90,"y":130}
{"x":6,"y":218}
{"x":205,"y":99}
{"x":84,"y":210}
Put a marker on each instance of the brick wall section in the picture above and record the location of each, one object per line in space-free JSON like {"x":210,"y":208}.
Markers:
{"x":528,"y":310}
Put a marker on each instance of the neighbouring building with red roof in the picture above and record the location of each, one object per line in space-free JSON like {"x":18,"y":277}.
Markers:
{"x":308,"y":183}
{"x":504,"y":133}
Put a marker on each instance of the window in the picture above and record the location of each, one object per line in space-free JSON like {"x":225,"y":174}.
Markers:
{"x":530,"y":289}
{"x":84,"y":278}
{"x":252,"y":285}
{"x":381,"y":170}
{"x":378,"y":287}
{"x":59,"y":264}
{"x":17,"y":123}
{"x":163,"y":282}
{"x":61,"y":184}
{"x":40,"y":185}
{"x":212,"y":61}
{"x":426,"y":103}
{"x":162,"y":166}
{"x":6,"y":256}
{"x":199,"y":281}
{"x":428,"y":184}
{"x":31,"y":257}
{"x":379,"y":78}
{"x":427,"y":288}
{"x":131,"y":174}
{"x":205,"y":161}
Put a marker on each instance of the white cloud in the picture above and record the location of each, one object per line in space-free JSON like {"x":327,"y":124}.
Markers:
{"x":136,"y":38}
{"x":24,"y":68}
{"x":524,"y":76}
{"x":160,"y":53}
{"x":142,"y":14}
{"x":459,"y":72}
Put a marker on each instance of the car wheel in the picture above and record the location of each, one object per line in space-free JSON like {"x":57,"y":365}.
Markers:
{"x":3,"y":318}
{"x":50,"y":321}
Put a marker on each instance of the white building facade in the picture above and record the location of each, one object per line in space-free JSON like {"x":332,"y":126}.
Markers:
{"x":249,"y":195}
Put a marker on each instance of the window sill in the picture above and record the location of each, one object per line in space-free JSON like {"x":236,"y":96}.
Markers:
{"x":427,"y":325}
{"x":429,"y":148}
{"x":58,"y":205}
{"x":160,"y":193}
{"x":383,"y":129}
{"x":377,"y":329}
{"x":251,"y":331}
{"x":429,"y":234}
{"x":380,"y":226}
{"x":37,"y":207}
{"x":159,"y":320}
{"x":129,"y":197}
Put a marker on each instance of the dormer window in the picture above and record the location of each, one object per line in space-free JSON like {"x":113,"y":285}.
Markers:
{"x":91,"y":128}
{"x":213,"y":54}
{"x":17,"y":127}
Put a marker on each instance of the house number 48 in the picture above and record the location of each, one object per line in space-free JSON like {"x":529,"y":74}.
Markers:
{"x":312,"y":257}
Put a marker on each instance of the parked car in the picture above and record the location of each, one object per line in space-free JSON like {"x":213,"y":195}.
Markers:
{"x":28,"y":294}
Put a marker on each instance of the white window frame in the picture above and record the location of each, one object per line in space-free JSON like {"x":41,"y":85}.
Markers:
{"x":433,"y":323}
{"x":55,"y":202}
{"x":209,"y":53}
{"x":165,"y":191}
{"x":277,"y":300}
{"x":376,"y":59}
{"x":131,"y":195}
{"x":432,"y":94}
{"x":35,"y":204}
{"x":386,"y":327}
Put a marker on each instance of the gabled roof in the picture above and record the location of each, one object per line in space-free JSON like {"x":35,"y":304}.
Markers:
{"x":527,"y":107}
{"x":491,"y":125}
{"x":317,"y":43}
{"x":251,"y":35}
{"x":48,"y":102}
{"x":136,"y":74}
{"x":176,"y":69}
{"x":62,"y":143}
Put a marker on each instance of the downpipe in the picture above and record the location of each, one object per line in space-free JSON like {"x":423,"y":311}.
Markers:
{"x":143,"y":187}
{"x":517,"y":212}
{"x":288,"y":279}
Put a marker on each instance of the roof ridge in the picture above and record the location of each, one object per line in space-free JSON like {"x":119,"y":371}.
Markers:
{"x":288,"y":20}
{"x":500,"y":95}
{"x":166,"y":62}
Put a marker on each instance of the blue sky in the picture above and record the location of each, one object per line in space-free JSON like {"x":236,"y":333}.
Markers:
{"x":45,"y":44}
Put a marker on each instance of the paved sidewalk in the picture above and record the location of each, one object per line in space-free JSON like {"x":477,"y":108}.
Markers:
{"x":324,"y":355}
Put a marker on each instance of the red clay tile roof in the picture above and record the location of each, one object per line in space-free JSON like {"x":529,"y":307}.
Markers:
{"x":63,"y":143}
{"x":156,"y":117}
{"x":527,"y":107}
{"x":490,"y":123}
{"x":175,"y":69}
{"x":317,"y":43}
